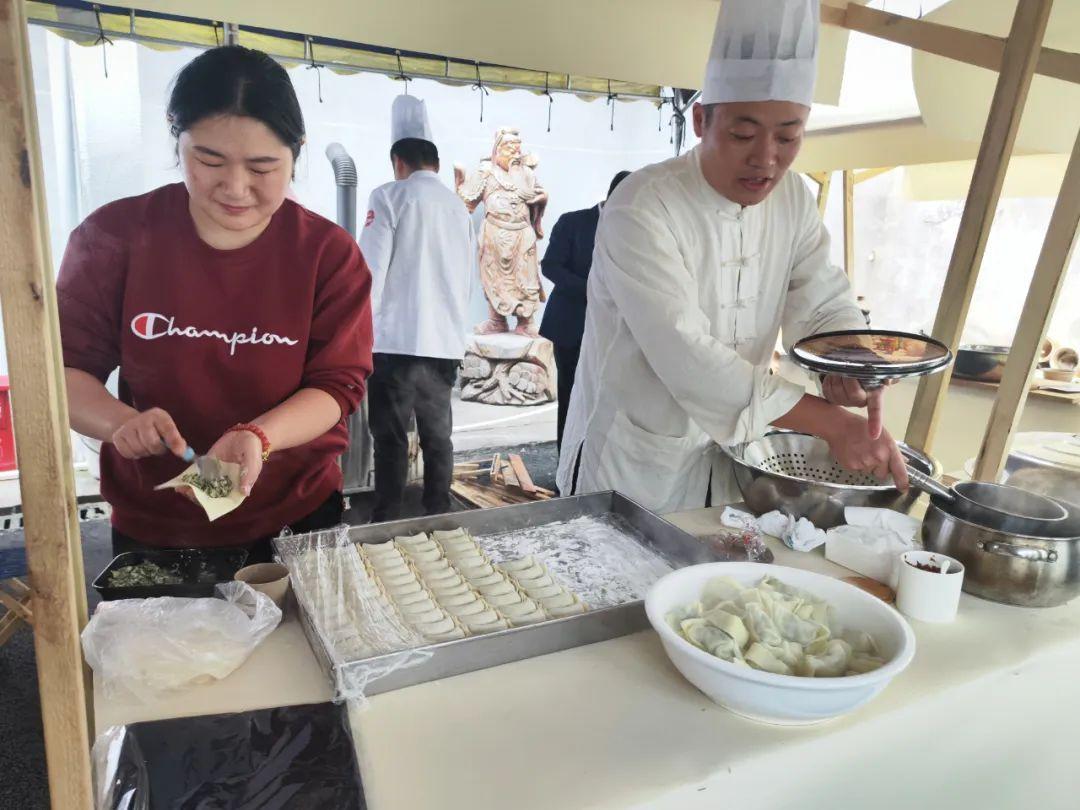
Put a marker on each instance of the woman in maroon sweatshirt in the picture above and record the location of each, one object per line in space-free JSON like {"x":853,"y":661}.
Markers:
{"x":240,"y":322}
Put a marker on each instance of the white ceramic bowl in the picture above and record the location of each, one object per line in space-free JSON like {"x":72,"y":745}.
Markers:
{"x":764,"y":696}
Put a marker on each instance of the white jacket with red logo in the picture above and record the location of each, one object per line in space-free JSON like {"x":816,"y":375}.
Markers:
{"x":419,"y":242}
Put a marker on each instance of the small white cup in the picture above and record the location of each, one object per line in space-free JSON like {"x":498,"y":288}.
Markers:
{"x":929,"y":596}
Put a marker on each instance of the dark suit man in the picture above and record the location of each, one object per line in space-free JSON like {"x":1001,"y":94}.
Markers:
{"x":566,"y":263}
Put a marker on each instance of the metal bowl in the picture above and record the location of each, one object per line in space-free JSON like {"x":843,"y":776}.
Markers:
{"x":982,"y":363}
{"x":795,"y":473}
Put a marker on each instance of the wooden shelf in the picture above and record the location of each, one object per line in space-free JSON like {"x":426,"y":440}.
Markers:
{"x":1072,"y":399}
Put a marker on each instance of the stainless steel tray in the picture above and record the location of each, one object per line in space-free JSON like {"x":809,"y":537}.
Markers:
{"x":677,"y":547}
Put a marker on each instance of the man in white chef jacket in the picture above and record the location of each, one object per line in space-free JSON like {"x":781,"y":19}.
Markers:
{"x":699,"y":262}
{"x":419,"y":243}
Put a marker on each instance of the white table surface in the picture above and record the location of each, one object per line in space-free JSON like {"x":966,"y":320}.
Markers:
{"x":985,"y":716}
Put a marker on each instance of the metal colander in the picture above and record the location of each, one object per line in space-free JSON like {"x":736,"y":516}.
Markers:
{"x":806,"y":458}
{"x":795,"y":473}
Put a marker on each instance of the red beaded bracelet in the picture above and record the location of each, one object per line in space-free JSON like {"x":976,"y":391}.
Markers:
{"x":258,"y":431}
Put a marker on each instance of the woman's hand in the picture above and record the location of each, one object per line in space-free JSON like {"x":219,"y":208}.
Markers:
{"x":150,"y":433}
{"x":849,"y":393}
{"x":854,"y":449}
{"x":244,"y":448}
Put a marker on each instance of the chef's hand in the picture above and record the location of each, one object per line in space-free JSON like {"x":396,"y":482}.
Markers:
{"x":848,"y":393}
{"x":244,"y":448}
{"x":150,"y":433}
{"x":854,"y":449}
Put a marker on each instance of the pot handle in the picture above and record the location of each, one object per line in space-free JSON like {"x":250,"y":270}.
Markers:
{"x":1029,"y":553}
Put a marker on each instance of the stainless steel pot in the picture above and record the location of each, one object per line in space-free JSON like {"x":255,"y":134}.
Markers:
{"x":982,"y":363}
{"x":1046,"y":463}
{"x":1012,"y":568}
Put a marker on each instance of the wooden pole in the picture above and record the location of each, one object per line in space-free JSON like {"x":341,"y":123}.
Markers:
{"x":1010,"y":96}
{"x":39,"y":405}
{"x":824,"y":184}
{"x":1038,"y":308}
{"x":849,"y":224}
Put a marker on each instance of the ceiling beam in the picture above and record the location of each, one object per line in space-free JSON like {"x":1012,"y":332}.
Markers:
{"x":970,"y":47}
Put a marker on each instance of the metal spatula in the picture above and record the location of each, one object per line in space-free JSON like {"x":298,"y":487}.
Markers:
{"x":208,"y":466}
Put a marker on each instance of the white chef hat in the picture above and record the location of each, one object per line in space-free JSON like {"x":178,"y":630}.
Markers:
{"x":763,"y":50}
{"x":409,"y":119}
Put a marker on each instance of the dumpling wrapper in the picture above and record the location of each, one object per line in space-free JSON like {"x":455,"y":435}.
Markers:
{"x":214,"y":507}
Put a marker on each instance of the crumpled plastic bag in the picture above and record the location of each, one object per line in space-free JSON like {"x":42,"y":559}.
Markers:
{"x":872,"y":542}
{"x":147,"y":647}
{"x":799,"y":535}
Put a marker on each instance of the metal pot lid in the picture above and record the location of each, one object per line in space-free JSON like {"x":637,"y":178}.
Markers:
{"x":1045,"y":449}
{"x":871,"y":356}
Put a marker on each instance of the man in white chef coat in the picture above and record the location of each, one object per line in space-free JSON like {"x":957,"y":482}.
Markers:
{"x":418,"y":241}
{"x":700,"y":261}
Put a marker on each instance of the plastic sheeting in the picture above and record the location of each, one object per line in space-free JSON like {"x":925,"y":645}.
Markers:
{"x":289,"y":758}
{"x":146,"y":647}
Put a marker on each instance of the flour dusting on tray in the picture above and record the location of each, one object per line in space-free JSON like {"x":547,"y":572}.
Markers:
{"x":601,"y":558}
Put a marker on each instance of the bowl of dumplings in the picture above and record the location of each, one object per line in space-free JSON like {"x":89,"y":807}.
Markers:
{"x":776,"y":644}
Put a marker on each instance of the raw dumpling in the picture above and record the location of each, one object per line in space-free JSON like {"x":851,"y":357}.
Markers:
{"x":518,"y":608}
{"x":443,"y":535}
{"x":491,"y":627}
{"x":560,"y":600}
{"x":405,"y":599}
{"x":486,"y":616}
{"x":543,"y":591}
{"x":443,"y":625}
{"x":404,"y":590}
{"x":512,"y":598}
{"x":530,"y":618}
{"x":436,"y":614}
{"x":483,"y":569}
{"x":426,"y":555}
{"x":420,"y":606}
{"x":451,"y":635}
{"x":490,"y":579}
{"x":415,"y":540}
{"x":450,"y":588}
{"x":466,"y":608}
{"x":458,"y":599}
{"x":518,"y":565}
{"x":497,"y":588}
{"x":573,"y":608}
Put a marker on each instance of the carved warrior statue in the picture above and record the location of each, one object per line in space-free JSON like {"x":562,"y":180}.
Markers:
{"x":514,"y":204}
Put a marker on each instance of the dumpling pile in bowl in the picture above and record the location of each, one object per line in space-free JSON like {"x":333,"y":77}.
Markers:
{"x":775,"y":628}
{"x":777,"y":644}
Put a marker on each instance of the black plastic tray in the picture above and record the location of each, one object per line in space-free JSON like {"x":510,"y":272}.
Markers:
{"x":217,"y":565}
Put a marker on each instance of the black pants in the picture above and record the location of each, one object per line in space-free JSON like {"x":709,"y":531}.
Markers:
{"x":325,"y":517}
{"x":402,"y":386}
{"x":566,"y":360}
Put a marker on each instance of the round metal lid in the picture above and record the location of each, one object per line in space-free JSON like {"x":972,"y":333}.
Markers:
{"x":871,"y":356}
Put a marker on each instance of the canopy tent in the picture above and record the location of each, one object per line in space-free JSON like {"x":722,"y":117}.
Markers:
{"x":652,"y":42}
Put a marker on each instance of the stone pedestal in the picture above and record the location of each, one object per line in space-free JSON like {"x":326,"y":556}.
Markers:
{"x":508,"y":369}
